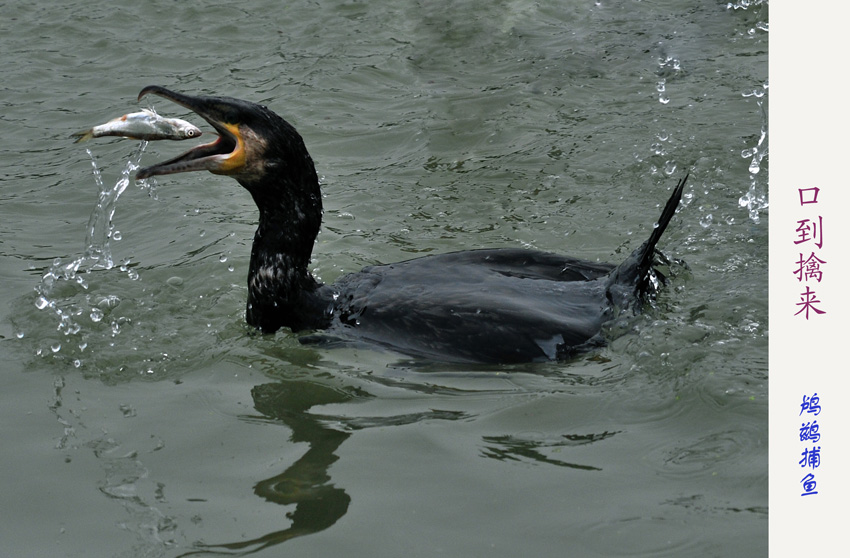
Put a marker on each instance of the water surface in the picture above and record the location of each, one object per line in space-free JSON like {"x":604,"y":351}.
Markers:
{"x":141,"y":417}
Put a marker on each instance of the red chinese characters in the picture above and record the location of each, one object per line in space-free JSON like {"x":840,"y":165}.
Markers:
{"x":810,"y":236}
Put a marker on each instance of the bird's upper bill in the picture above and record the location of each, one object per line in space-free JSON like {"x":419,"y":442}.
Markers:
{"x":225,"y":155}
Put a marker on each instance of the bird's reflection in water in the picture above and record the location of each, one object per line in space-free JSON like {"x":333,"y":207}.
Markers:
{"x":306,"y":484}
{"x":518,"y":448}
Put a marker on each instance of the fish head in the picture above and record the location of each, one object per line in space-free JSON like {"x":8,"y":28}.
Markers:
{"x":187,"y":130}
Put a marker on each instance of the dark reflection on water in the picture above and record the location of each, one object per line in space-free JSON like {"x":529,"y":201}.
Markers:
{"x":517,"y":448}
{"x":319,"y":503}
{"x":306,"y":484}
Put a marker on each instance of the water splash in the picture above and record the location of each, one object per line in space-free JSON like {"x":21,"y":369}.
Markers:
{"x":98,"y":252}
{"x":63,"y":281}
{"x":756,"y":200}
{"x":669,"y":68}
{"x":761,"y":6}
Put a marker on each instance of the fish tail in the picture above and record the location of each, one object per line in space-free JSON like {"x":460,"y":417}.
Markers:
{"x":83,"y":135}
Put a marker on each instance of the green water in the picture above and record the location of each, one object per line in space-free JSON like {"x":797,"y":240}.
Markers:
{"x":141,"y":417}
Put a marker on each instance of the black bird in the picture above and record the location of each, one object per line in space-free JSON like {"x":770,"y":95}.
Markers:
{"x":501,"y":305}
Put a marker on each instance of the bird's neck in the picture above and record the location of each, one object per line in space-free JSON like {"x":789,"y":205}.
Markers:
{"x":281,"y":290}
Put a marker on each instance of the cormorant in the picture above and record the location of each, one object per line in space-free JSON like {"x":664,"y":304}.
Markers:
{"x":489,"y":305}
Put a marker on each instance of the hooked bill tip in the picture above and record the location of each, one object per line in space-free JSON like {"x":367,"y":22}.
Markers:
{"x":149,"y":89}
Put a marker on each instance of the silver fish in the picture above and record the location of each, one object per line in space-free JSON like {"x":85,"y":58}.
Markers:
{"x":144,"y":125}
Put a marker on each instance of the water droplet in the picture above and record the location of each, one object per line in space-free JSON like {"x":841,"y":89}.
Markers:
{"x":116,"y":325}
{"x":19,"y":335}
{"x":222,"y":258}
{"x":174,"y":281}
{"x":41,"y":302}
{"x":706,"y":221}
{"x":55,"y":347}
{"x":116,"y":235}
{"x":109,"y":301}
{"x":77,"y":363}
{"x":96,"y":314}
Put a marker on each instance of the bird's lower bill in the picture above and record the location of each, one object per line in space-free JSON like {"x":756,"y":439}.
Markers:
{"x":225,"y":155}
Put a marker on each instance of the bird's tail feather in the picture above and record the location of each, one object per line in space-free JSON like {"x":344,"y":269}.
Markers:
{"x":632,"y":277}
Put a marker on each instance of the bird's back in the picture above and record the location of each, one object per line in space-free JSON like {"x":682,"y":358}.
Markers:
{"x":483,"y":305}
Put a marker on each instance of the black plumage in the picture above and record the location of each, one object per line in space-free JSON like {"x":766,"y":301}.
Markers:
{"x":500,"y":305}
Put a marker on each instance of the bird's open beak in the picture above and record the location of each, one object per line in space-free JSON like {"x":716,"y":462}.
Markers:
{"x":226,"y":155}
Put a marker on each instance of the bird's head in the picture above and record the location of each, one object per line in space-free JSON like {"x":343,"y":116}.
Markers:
{"x":254,"y":143}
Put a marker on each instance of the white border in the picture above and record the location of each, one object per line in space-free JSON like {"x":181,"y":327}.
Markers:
{"x":809,"y":123}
